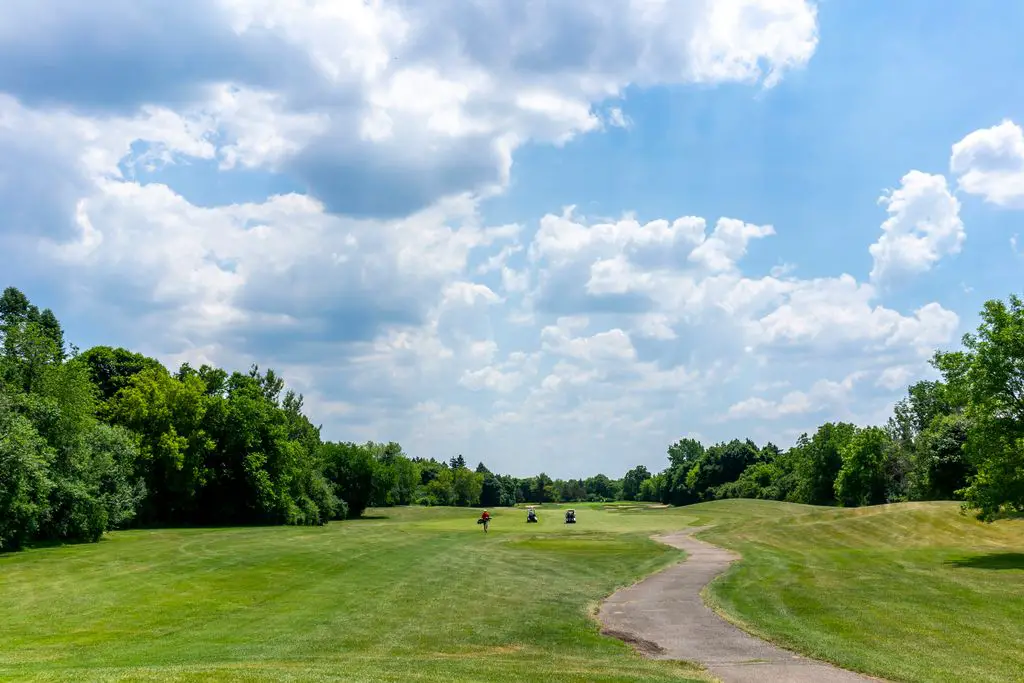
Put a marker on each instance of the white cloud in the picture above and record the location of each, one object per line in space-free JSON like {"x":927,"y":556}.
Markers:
{"x":728,"y":243}
{"x":384,"y":294}
{"x":782,"y":269}
{"x":896,"y":377}
{"x":380,"y":319}
{"x":468,"y":294}
{"x":833,"y":313}
{"x":609,"y":346}
{"x":990,"y":162}
{"x":923,"y":226}
{"x":563,"y":239}
{"x":617,"y":119}
{"x":260,"y":129}
{"x":383,"y":108}
{"x":823,"y":395}
{"x":491,"y":378}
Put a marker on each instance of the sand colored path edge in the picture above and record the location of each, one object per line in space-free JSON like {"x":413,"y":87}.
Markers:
{"x":664,"y":617}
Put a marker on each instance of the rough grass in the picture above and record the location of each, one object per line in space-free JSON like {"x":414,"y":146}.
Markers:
{"x":410,"y":595}
{"x":909,"y":592}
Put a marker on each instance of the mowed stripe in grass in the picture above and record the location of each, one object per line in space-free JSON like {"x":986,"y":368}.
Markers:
{"x":418,"y":595}
{"x":912,"y":592}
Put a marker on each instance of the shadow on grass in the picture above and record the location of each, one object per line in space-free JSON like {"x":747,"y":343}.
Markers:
{"x":40,"y":545}
{"x":197,"y":526}
{"x":990,"y":561}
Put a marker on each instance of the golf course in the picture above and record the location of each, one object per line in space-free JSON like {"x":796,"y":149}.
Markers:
{"x":905,"y":592}
{"x":511,"y":341}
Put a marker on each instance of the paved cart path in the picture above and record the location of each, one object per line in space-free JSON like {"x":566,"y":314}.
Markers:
{"x":665,"y":617}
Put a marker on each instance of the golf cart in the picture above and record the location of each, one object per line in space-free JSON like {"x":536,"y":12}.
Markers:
{"x":531,"y":515}
{"x":570,"y":516}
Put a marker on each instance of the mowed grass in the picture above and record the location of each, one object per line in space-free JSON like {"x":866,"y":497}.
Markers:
{"x":409,"y":595}
{"x":908,"y":592}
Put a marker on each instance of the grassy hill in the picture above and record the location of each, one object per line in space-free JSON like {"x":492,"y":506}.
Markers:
{"x":912,"y":592}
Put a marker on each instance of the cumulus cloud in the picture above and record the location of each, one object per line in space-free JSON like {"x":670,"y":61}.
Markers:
{"x":376,"y":284}
{"x":896,"y":377}
{"x":382,"y":108}
{"x":728,"y":243}
{"x":923,"y":226}
{"x":823,"y":395}
{"x":990,"y":162}
{"x":836,"y":314}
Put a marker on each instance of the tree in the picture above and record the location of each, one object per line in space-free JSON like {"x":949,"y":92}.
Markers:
{"x":862,"y":477}
{"x":216,"y":382}
{"x":111,"y":369}
{"x":24,"y":479}
{"x":759,"y":480}
{"x":571,"y":490}
{"x":491,"y":492}
{"x":429,"y":469}
{"x":651,"y":488}
{"x":818,"y":461}
{"x":682,"y":456}
{"x":497,"y":491}
{"x":599,"y":487}
{"x":988,"y":377}
{"x":633,"y":480}
{"x":441,"y":489}
{"x":65,"y":476}
{"x":720,"y":464}
{"x":15,"y":312}
{"x":168,"y":417}
{"x":467,"y":486}
{"x":407,"y":479}
{"x":685,"y":453}
{"x":939,"y":463}
{"x":350,"y":469}
{"x":385,"y":477}
{"x":26,"y":329}
{"x":52,"y":330}
{"x":27,"y":352}
{"x":542,"y":489}
{"x":14,"y":307}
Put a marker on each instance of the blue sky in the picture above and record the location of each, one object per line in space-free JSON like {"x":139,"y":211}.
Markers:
{"x":550,"y":236}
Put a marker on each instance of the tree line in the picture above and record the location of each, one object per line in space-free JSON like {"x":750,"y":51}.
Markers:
{"x":109,"y":439}
{"x":960,"y":437}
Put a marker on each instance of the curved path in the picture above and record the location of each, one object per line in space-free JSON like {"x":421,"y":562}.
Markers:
{"x":665,"y":617}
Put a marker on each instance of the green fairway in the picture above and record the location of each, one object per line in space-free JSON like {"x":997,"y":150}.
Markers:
{"x":413,"y":595}
{"x":913,"y":592}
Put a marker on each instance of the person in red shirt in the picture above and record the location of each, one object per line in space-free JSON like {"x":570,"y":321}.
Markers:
{"x":486,"y":517}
